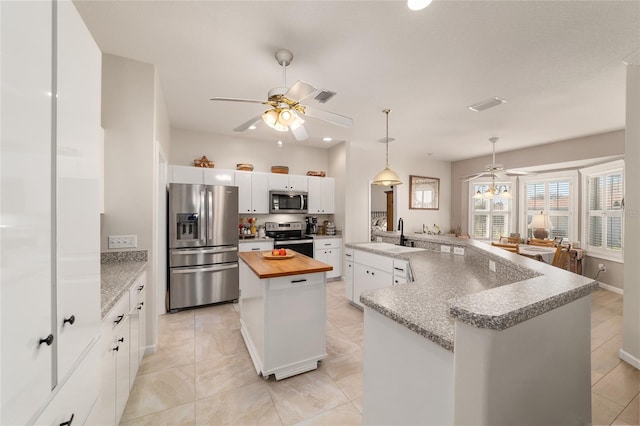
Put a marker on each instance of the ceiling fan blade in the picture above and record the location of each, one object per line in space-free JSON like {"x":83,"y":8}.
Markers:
{"x":246,"y":125}
{"x":517,"y":172}
{"x":299,"y":91}
{"x":337,"y":119}
{"x":501,"y":175}
{"x":474,"y":177}
{"x":299,"y":133}
{"x":252,"y":101}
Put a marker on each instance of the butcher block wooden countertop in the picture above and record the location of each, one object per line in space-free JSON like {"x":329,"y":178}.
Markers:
{"x":272,"y":268}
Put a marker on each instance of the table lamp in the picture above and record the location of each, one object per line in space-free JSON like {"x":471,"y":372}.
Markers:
{"x":540,"y":223}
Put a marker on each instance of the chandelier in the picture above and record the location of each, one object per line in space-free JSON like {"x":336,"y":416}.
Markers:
{"x":493,"y":190}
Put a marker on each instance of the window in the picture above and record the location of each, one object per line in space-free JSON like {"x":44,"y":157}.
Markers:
{"x":603,"y":199}
{"x":553,"y":194}
{"x":490,"y":217}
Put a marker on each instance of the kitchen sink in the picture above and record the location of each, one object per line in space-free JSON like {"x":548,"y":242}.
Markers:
{"x":391,"y":248}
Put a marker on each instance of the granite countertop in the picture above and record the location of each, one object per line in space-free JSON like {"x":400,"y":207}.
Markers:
{"x":448,"y":287}
{"x":118,"y":271}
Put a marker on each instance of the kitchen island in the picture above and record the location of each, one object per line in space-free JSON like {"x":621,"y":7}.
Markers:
{"x":481,"y":336}
{"x":283,"y":309}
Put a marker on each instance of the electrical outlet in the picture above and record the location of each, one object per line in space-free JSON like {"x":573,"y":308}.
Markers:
{"x":492,"y":265}
{"x":602,"y":268}
{"x":123,"y":241}
{"x":458,"y":250}
{"x":445,"y":249}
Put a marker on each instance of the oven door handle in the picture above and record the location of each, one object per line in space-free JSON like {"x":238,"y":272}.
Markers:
{"x":206,"y":269}
{"x":289,"y":242}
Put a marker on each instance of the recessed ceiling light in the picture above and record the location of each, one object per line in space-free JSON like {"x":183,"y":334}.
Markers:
{"x":252,"y":127}
{"x":279,"y":144}
{"x":327,"y":139}
{"x":489,"y":103}
{"x":418,"y":4}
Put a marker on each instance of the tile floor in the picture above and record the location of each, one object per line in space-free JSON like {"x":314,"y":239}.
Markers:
{"x":201,"y":373}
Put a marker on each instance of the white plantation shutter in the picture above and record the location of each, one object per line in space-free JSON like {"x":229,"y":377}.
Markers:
{"x":490,"y":217}
{"x":552,"y":196}
{"x":604,"y":209}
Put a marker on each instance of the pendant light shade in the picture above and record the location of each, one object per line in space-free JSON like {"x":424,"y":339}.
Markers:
{"x":387,"y":176}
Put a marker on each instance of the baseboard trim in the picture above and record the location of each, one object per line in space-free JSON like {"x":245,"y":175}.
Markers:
{"x":611,"y":288}
{"x":629,"y":359}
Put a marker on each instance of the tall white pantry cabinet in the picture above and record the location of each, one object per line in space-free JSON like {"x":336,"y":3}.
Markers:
{"x":49,"y":212}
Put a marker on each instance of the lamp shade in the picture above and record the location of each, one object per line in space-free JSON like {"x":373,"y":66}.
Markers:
{"x":387,"y":177}
{"x":540,"y":221}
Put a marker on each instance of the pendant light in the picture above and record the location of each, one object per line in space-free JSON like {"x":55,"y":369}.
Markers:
{"x":387,"y":176}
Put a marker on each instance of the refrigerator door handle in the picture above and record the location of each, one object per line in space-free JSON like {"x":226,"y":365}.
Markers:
{"x":210,"y":215}
{"x":206,"y":251}
{"x":203,"y":236}
{"x":206,"y":269}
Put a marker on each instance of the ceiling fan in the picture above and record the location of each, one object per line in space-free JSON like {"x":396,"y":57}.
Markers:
{"x":286,"y":110}
{"x":494,"y":170}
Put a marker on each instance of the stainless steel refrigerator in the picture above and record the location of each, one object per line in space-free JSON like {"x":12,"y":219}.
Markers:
{"x":203,"y":245}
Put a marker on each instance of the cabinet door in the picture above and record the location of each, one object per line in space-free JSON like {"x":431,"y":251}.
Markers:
{"x":278,"y":181}
{"x":25,"y":207}
{"x":142,"y":314}
{"x":298,"y":183}
{"x":259,"y":193}
{"x":218,"y":177}
{"x":186,"y":174}
{"x":243,"y":182}
{"x":122,"y":367}
{"x":78,"y":188}
{"x":348,"y":280}
{"x":328,"y":195}
{"x":315,"y":194}
{"x":134,"y":343}
{"x":321,"y":255}
{"x":368,"y":278}
{"x":334,"y":258}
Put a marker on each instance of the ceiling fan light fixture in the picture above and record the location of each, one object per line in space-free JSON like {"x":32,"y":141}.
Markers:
{"x":270,"y":118}
{"x":418,"y":4}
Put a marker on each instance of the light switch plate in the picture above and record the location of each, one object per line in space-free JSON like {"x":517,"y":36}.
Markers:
{"x":458,"y":250}
{"x":123,"y":241}
{"x":445,"y":249}
{"x":492,"y":265}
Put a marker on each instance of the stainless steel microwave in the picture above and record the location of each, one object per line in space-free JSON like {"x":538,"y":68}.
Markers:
{"x":287,"y":202}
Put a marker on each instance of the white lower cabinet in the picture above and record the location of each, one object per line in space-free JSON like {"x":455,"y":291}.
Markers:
{"x":329,"y":251}
{"x":123,"y":343}
{"x":348,"y":273}
{"x":255,"y":246}
{"x":400,"y":272}
{"x":371,"y":271}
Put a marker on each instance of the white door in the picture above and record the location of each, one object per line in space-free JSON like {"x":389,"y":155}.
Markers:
{"x":25,"y":208}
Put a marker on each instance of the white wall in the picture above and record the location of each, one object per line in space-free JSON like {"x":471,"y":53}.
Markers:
{"x":226,"y":152}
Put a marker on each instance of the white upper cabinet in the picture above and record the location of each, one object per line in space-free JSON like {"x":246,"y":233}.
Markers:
{"x":78,"y":187}
{"x":201,"y":175}
{"x":218,"y":177}
{"x":25,"y":208}
{"x":253,"y":193}
{"x":287,"y":182}
{"x":321,"y":194}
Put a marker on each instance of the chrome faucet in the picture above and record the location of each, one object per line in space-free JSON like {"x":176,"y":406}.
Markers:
{"x":401,"y":227}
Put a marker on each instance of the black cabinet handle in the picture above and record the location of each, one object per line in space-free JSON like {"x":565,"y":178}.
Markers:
{"x":367,"y":272}
{"x":299,"y":281}
{"x":140,"y":305}
{"x":373,"y":273}
{"x":116,"y":348}
{"x":69,"y":320}
{"x":68,"y":422}
{"x":120,"y":317}
{"x":121,"y":339}
{"x":48,"y":340}
{"x":140,"y":288}
{"x":256,"y":248}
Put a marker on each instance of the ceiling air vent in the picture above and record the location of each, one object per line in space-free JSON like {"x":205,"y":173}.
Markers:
{"x":324,"y":95}
{"x":489,"y":103}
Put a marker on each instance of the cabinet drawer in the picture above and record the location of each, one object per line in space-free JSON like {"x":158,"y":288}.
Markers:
{"x":374,"y":260}
{"x":136,"y":292}
{"x":77,"y":395}
{"x":117,"y":314}
{"x":399,"y":280}
{"x":348,"y":255}
{"x":256,"y":246}
{"x":400,"y":268}
{"x":294,"y":281}
{"x":327,"y":243}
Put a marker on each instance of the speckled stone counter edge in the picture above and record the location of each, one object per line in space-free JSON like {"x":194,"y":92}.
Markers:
{"x":119,"y":269}
{"x":480,"y":254}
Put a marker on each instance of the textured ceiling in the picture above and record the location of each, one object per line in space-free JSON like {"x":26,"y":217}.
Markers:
{"x":557,"y":63}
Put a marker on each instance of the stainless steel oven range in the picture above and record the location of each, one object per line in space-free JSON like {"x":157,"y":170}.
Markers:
{"x":290,"y":235}
{"x":203,"y":245}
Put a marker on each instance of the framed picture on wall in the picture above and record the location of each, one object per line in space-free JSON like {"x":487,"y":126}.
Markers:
{"x":423,"y":193}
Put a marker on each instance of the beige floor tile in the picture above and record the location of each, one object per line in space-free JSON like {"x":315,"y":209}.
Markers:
{"x":358,"y":404}
{"x":355,"y":332}
{"x":602,"y":314}
{"x":345,"y":315}
{"x":171,"y":354}
{"x":185,"y":315}
{"x":605,"y":358}
{"x":351,"y":385}
{"x":630,"y":415}
{"x":218,"y":317}
{"x":224,"y":373}
{"x":306,"y":395}
{"x":344,"y":365}
{"x":183,"y":415}
{"x":620,"y":385}
{"x":174,"y":330}
{"x":339,"y":344}
{"x":603,"y":411}
{"x":343,"y":415}
{"x":607,"y":329}
{"x":334,"y":301}
{"x":249,"y":405}
{"x":211,"y":343}
{"x":595,"y":376}
{"x":335,"y":288}
{"x":159,"y":391}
